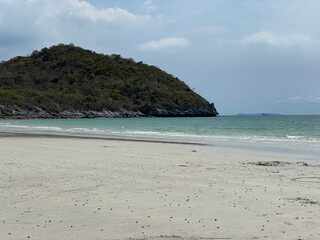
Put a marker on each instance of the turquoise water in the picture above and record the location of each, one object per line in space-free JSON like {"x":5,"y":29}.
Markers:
{"x":280,"y":132}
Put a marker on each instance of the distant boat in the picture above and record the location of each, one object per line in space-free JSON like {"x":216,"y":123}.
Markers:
{"x":258,"y":114}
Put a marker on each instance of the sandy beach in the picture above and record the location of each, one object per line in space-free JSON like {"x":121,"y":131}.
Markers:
{"x":75,"y":188}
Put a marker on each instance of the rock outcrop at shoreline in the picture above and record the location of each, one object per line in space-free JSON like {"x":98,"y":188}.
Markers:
{"x":10,"y":113}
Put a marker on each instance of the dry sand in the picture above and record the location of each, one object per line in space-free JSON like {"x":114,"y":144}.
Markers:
{"x":68,"y":188}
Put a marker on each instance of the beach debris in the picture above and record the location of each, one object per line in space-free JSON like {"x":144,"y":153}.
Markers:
{"x":269,"y":163}
{"x":183,"y":165}
{"x":210,"y":168}
{"x":303,"y":163}
{"x":279,"y":163}
{"x":162,"y":237}
{"x":305,"y":201}
{"x":307,"y":179}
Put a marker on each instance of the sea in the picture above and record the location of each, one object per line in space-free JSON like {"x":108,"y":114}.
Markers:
{"x":295,"y":134}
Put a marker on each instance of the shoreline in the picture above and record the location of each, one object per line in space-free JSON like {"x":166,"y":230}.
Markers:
{"x":256,"y":147}
{"x":93,"y":137}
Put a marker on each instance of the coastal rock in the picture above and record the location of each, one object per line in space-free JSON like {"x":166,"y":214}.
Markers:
{"x":9,"y":113}
{"x":107,"y":113}
{"x":40,"y":111}
{"x":6,"y":111}
{"x":158,"y":112}
{"x":213,"y":109}
{"x":71,"y":114}
{"x":191,"y":112}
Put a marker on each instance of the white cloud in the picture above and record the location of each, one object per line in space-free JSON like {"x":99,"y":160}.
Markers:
{"x":165,"y":43}
{"x":76,"y":9}
{"x":110,"y":15}
{"x":148,"y":6}
{"x":51,"y":12}
{"x":299,"y":99}
{"x":292,"y":99}
{"x":26,"y":25}
{"x":278,"y":40}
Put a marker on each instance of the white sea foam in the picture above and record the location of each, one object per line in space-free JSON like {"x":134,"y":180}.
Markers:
{"x":253,"y":138}
{"x":13,"y":126}
{"x":47,"y":128}
{"x":80,"y":130}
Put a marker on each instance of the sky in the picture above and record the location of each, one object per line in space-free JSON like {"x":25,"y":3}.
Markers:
{"x":246,"y":56}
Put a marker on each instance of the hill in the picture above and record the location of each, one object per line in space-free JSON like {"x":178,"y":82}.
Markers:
{"x":68,"y":81}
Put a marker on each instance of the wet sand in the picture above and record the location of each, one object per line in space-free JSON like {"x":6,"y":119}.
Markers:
{"x":79,"y":188}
